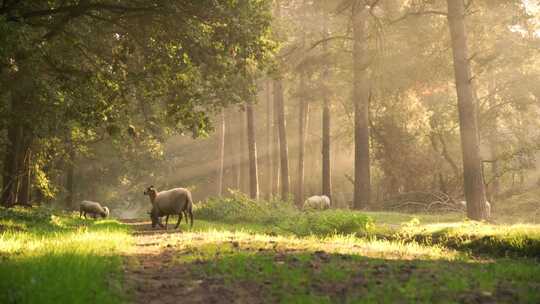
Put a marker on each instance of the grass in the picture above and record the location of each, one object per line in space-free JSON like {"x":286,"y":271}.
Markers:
{"x":54,"y":257}
{"x":282,"y":217}
{"x":347,"y":269}
{"x":270,"y":250}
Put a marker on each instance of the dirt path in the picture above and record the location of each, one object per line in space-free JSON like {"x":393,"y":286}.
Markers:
{"x":154,"y":274}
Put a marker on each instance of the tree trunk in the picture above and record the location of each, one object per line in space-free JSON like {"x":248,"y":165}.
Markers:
{"x":362,"y":184}
{"x":475,"y":194}
{"x":304,"y":116}
{"x":252,"y":148}
{"x":269,"y":143}
{"x":14,"y":160}
{"x":24,"y":191}
{"x":70,"y":178}
{"x":233,"y":150}
{"x":326,"y":165}
{"x":243,"y":178}
{"x":221,"y":150}
{"x":283,"y":149}
{"x":275,"y":148}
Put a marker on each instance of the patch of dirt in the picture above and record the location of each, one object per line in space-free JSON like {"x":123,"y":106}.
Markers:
{"x":153,"y":276}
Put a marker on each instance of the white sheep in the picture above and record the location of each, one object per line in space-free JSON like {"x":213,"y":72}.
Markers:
{"x":463,"y":204}
{"x":165,"y":203}
{"x":93,"y":208}
{"x":321,"y":202}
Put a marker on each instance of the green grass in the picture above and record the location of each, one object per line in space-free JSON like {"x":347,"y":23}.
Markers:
{"x":54,"y":257}
{"x":278,"y":253}
{"x":347,"y":269}
{"x":282,"y":217}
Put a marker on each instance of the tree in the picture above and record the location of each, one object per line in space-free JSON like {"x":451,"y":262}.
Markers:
{"x":472,"y":164}
{"x":326,"y":120}
{"x":221,"y":151}
{"x":252,"y":148}
{"x":303,"y":114}
{"x":362,"y":184}
{"x":272,"y":177}
{"x":98,"y":64}
{"x":281,"y":124}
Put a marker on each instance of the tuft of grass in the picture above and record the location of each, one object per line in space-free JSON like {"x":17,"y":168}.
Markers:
{"x":55,"y":257}
{"x":282,"y":217}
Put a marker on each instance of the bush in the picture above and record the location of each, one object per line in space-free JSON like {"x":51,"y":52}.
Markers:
{"x":282,"y":216}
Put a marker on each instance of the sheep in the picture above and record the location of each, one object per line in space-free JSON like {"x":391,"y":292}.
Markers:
{"x":94,"y":209}
{"x":317,"y":202}
{"x":463,"y":204}
{"x":165,"y":203}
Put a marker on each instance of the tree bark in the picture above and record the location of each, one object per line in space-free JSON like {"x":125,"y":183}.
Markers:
{"x":283,"y":149}
{"x":275,"y":149}
{"x":269,"y":144}
{"x":303,"y":116}
{"x":243,"y":177}
{"x":475,"y":194}
{"x":252,"y":148}
{"x":362,"y":184}
{"x":13,"y":164}
{"x":221,"y":150}
{"x":25,"y":188}
{"x":70,"y":177}
{"x":326,"y":165}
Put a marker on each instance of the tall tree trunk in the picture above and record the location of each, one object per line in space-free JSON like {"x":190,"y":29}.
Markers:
{"x":14,"y":160}
{"x":275,"y":148}
{"x":303,"y":116}
{"x":494,"y":187}
{"x":326,"y":165}
{"x":233,"y":149}
{"x":24,"y":191}
{"x":70,"y":177}
{"x":269,"y":143}
{"x":475,"y":194}
{"x":280,"y":115}
{"x":283,"y":149}
{"x":362,"y":184}
{"x":244,"y":174}
{"x":221,"y":150}
{"x":252,"y":148}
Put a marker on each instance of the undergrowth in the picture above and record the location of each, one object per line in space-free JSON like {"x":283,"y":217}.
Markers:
{"x":282,"y":217}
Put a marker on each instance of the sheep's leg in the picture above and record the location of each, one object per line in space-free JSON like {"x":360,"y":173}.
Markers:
{"x":179,"y":220}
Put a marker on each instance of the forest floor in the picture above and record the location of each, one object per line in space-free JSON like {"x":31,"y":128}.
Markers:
{"x":219,"y":263}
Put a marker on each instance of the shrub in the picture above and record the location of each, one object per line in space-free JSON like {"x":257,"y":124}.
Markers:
{"x":281,"y":216}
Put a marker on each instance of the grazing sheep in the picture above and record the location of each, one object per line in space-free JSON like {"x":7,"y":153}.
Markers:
{"x":321,"y":202}
{"x":463,"y":204}
{"x":94,"y":209}
{"x":165,"y":203}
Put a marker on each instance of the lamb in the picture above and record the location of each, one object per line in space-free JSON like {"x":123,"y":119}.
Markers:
{"x":165,"y":203}
{"x":321,"y":202}
{"x":463,"y":204}
{"x":93,"y":208}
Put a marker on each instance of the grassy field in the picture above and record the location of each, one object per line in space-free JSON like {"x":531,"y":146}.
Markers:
{"x":53,"y":257}
{"x":256,"y":252}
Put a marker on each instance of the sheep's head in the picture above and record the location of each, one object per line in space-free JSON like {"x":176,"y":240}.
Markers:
{"x":154,"y":216}
{"x":151,"y":192}
{"x":106,"y":213}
